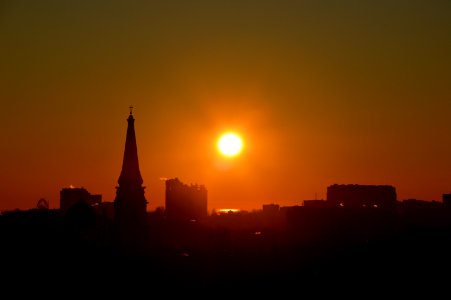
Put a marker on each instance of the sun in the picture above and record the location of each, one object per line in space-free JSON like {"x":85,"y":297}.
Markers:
{"x":230,"y":144}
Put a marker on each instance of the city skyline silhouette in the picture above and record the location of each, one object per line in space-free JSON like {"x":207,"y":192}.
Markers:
{"x":351,"y":235}
{"x":269,"y":147}
{"x":130,"y":176}
{"x":131,"y":191}
{"x":321,"y":93}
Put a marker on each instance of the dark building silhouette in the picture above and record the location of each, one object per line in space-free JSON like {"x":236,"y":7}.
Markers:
{"x":105,"y":209}
{"x":71,"y":196}
{"x":270,"y":209}
{"x":355,"y":195}
{"x":446,"y":199}
{"x":423,"y":213}
{"x":185,"y":202}
{"x":315,"y":203}
{"x":80,"y":220}
{"x":130,"y":205}
{"x":418,"y":204}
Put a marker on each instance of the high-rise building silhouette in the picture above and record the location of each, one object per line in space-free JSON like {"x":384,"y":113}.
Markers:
{"x":356,"y":195}
{"x":130,"y":205}
{"x":71,"y":196}
{"x":446,"y":199}
{"x":185,"y":202}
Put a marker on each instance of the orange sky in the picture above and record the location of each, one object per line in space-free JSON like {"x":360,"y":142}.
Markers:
{"x":322,"y":93}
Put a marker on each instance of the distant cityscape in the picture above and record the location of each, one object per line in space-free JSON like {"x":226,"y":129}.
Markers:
{"x":190,"y":202}
{"x":185,"y":202}
{"x":354,"y":232}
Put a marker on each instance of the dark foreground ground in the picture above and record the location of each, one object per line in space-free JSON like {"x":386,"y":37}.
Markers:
{"x":41,"y":252}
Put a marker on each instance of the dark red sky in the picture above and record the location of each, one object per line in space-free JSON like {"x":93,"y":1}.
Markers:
{"x":323,"y":92}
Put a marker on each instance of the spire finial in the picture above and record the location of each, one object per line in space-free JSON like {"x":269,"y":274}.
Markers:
{"x":131,"y":109}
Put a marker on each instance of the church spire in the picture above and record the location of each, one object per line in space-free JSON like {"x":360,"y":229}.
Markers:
{"x":130,"y":174}
{"x":130,"y":205}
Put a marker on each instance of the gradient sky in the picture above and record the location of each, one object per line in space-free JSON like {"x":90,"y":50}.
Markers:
{"x":323,"y":92}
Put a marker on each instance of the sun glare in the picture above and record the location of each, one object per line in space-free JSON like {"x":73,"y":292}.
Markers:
{"x":230,"y":144}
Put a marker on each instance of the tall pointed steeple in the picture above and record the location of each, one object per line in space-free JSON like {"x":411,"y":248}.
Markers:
{"x":130,"y":174}
{"x":130,"y":205}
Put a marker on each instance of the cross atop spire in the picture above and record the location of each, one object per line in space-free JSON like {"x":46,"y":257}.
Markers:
{"x":131,"y":109}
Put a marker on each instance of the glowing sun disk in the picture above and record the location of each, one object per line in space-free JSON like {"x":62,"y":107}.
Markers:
{"x":230,"y":144}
